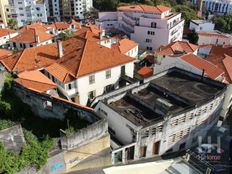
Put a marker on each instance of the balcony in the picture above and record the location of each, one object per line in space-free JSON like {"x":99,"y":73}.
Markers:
{"x":129,"y":19}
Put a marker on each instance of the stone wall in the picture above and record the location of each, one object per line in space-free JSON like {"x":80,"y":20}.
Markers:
{"x":47,"y":106}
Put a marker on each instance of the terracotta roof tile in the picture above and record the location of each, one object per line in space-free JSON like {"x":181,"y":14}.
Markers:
{"x":73,"y":22}
{"x":210,"y":69}
{"x":4,"y":32}
{"x":60,"y":72}
{"x":145,"y":72}
{"x":80,"y":59}
{"x":31,"y":58}
{"x":210,"y":34}
{"x":60,"y":25}
{"x":174,"y":47}
{"x":126,"y":45}
{"x":145,"y":8}
{"x":217,"y":55}
{"x":4,"y":53}
{"x":35,"y":80}
{"x":31,"y":36}
{"x":37,"y":26}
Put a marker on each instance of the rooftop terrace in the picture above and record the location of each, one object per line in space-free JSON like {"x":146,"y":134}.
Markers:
{"x":170,"y":93}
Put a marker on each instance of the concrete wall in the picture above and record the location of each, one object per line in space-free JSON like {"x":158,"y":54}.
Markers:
{"x":214,"y":40}
{"x":206,"y":26}
{"x":58,"y":107}
{"x":120,"y":125}
{"x":5,"y":39}
{"x":169,"y":62}
{"x":75,"y":156}
{"x":85,"y":135}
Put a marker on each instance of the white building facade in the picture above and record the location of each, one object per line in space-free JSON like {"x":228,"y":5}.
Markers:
{"x":214,"y":38}
{"x":53,"y":10}
{"x":5,"y":38}
{"x":90,"y":86}
{"x":27,"y":11}
{"x":127,"y":121}
{"x":149,"y":28}
{"x":220,"y":7}
{"x":201,"y":25}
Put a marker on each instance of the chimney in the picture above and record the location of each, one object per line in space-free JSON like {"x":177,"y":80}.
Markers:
{"x":37,"y":38}
{"x":59,"y":48}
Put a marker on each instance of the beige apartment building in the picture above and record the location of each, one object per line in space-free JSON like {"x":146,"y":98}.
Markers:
{"x":3,"y":17}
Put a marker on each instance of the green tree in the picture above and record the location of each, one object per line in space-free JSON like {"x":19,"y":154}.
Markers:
{"x":66,"y":34}
{"x":92,"y":13}
{"x":12,"y":23}
{"x":106,"y":5}
{"x":223,"y":23}
{"x":193,"y":37}
{"x":188,"y":13}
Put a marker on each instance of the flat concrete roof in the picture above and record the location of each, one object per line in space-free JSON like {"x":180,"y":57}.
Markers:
{"x":168,"y":94}
{"x":189,"y":88}
{"x":134,"y":111}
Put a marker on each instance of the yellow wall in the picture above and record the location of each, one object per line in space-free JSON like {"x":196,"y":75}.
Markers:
{"x":75,"y":156}
{"x":2,"y":11}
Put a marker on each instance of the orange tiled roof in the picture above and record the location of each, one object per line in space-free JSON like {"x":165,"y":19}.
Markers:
{"x":145,"y":8}
{"x":210,"y":69}
{"x":83,"y":57}
{"x":31,"y":36}
{"x":91,"y":28}
{"x":73,"y":22}
{"x":171,"y":48}
{"x":37,"y":26}
{"x":31,"y":58}
{"x":145,"y":72}
{"x":60,"y":25}
{"x":4,"y":53}
{"x":5,"y":31}
{"x":35,"y":80}
{"x":209,"y":34}
{"x":217,"y":55}
{"x":126,"y":45}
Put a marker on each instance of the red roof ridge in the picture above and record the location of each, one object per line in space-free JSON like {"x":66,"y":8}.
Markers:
{"x":83,"y":52}
{"x":18,"y":59}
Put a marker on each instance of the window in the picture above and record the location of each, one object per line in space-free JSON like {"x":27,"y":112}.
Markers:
{"x":69,"y":86}
{"x":150,"y":32}
{"x":148,"y":40}
{"x":91,"y":79}
{"x":108,"y":74}
{"x":92,"y":94}
{"x":149,"y":48}
{"x":153,"y":25}
{"x":47,"y":105}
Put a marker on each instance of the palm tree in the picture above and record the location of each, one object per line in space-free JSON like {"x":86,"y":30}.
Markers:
{"x":12,"y":23}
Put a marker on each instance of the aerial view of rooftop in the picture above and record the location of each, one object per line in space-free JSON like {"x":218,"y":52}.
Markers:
{"x":115,"y":87}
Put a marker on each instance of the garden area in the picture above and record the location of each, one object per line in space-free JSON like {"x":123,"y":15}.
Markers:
{"x":40,"y":134}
